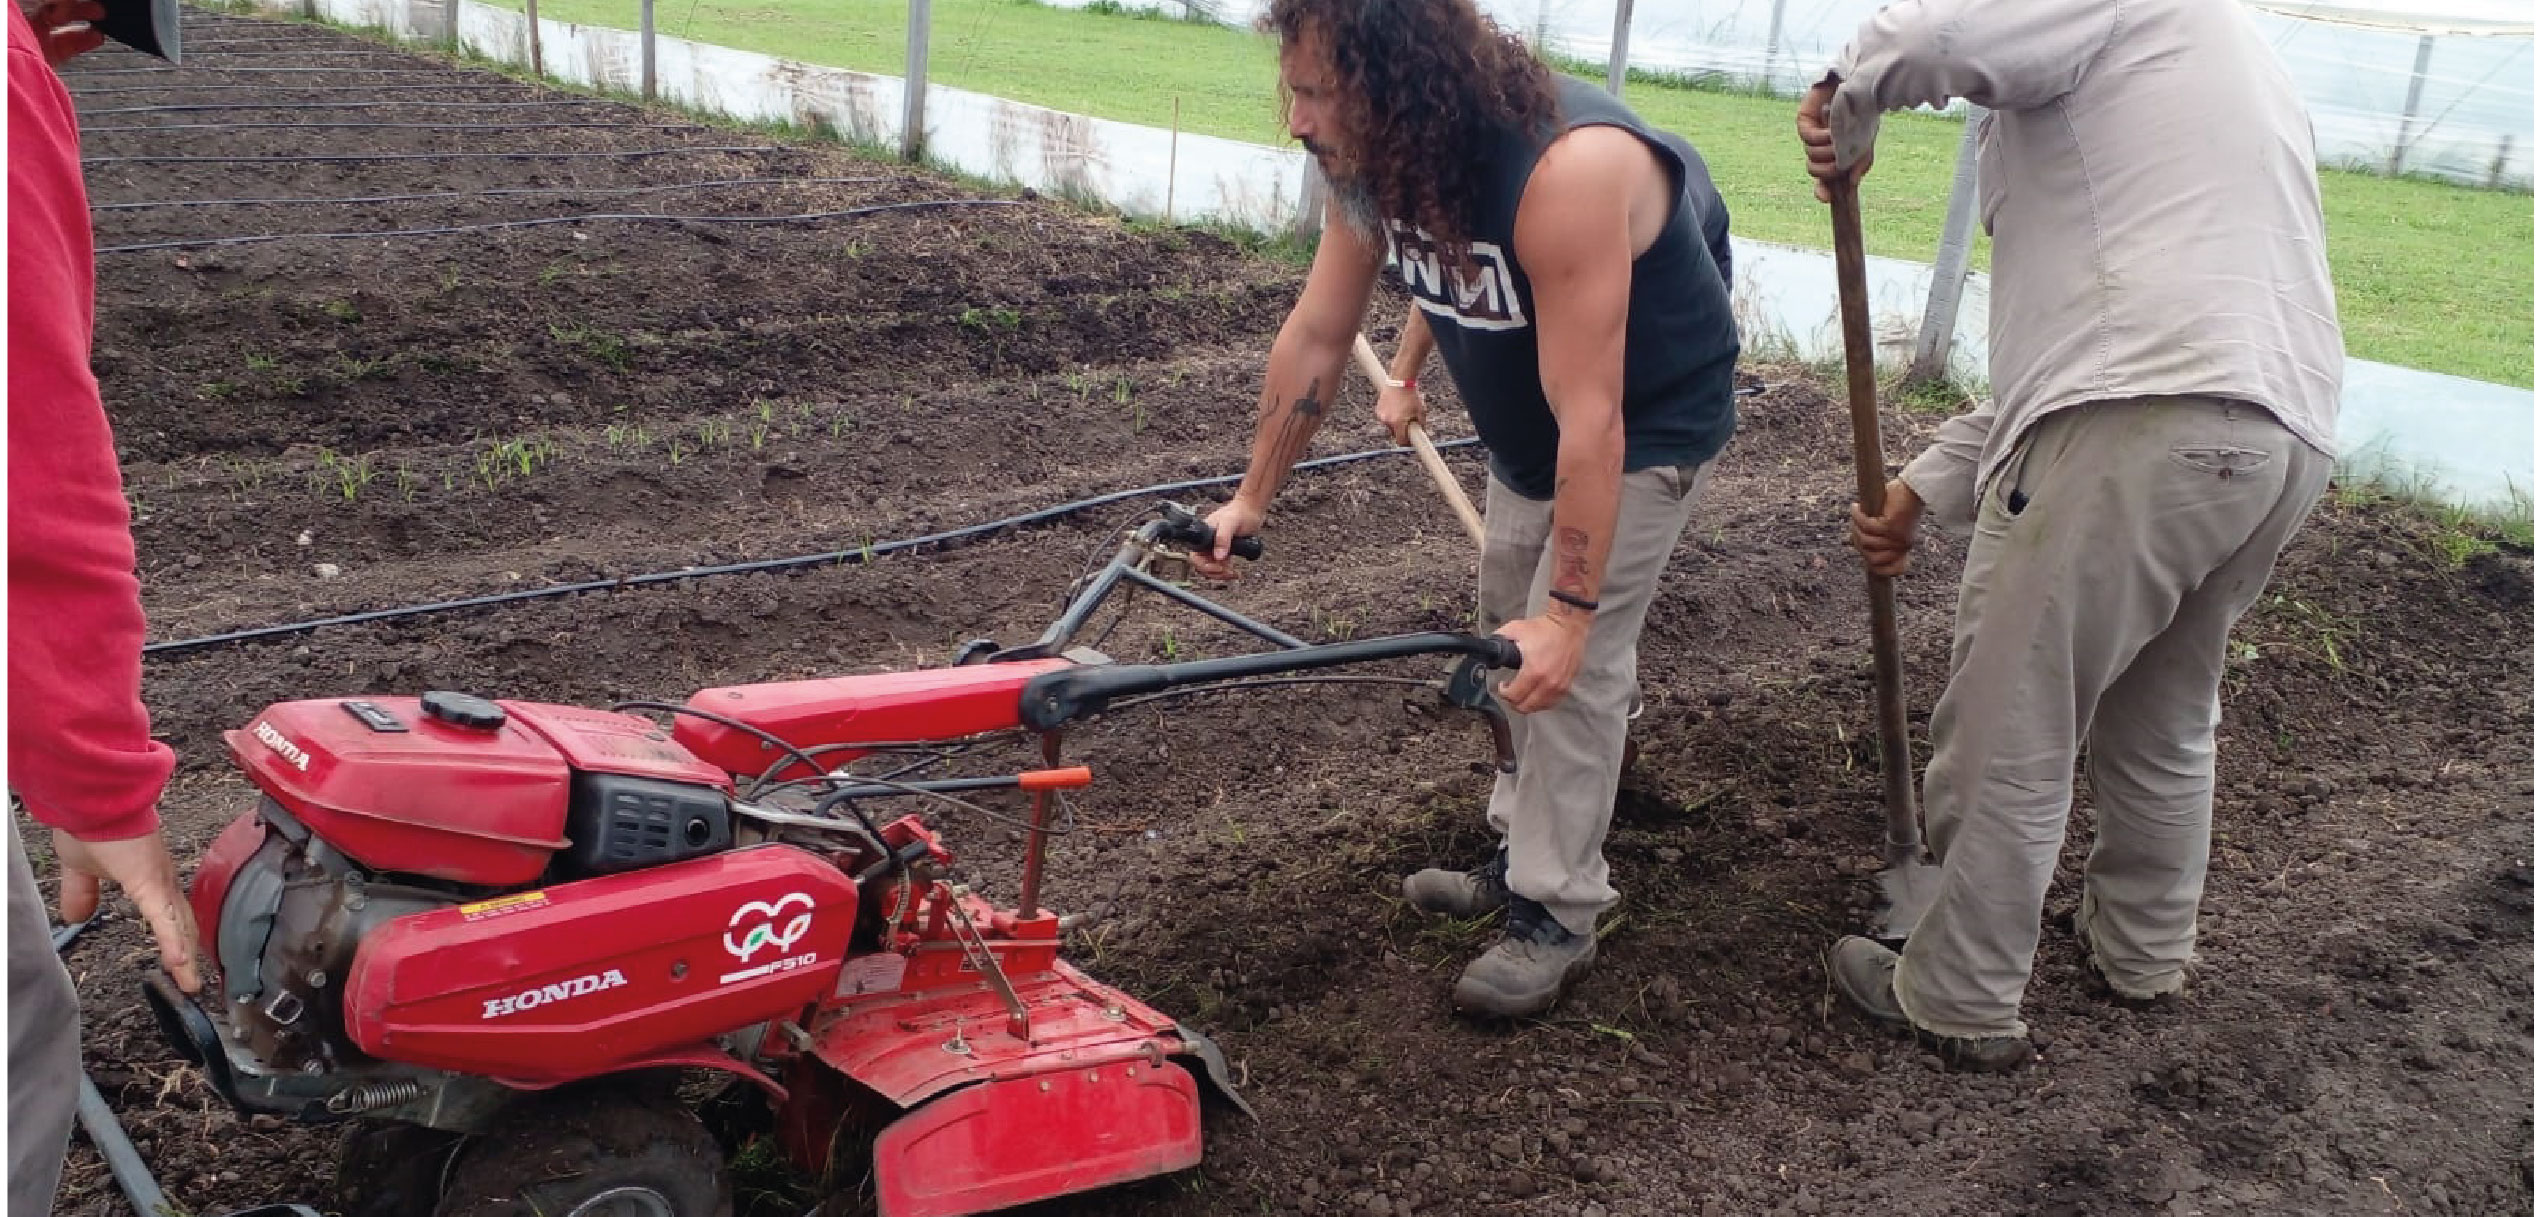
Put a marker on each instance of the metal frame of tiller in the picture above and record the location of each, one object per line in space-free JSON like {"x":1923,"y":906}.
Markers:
{"x":1054,"y":699}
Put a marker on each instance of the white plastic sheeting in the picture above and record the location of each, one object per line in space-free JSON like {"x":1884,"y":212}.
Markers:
{"x":1121,"y":164}
{"x":2460,"y":439}
{"x":2455,"y":437}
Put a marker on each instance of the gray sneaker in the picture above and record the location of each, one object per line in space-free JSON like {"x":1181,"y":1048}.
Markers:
{"x":1529,"y":969}
{"x":1866,"y":973}
{"x":1462,"y":894}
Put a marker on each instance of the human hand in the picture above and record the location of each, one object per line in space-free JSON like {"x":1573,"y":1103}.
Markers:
{"x":141,"y":866}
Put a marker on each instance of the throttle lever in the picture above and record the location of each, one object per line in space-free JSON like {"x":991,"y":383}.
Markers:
{"x":1469,"y":688}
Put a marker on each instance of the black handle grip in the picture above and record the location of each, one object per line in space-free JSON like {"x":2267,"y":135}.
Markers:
{"x":1196,"y":535}
{"x":1058,"y":697}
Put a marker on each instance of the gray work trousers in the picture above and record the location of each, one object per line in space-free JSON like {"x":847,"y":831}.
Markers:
{"x":1553,"y":813}
{"x":44,"y":1065}
{"x":2097,"y":612}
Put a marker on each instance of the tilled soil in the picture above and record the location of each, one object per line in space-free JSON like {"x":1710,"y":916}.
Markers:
{"x":313,"y":428}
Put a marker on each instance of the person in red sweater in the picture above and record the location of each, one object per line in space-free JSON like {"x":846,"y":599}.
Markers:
{"x":81,"y":760}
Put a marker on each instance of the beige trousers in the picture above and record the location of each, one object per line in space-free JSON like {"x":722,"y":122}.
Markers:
{"x":2110,"y":562}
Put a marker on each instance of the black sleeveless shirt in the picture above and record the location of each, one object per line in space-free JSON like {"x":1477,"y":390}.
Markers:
{"x":1680,"y":343}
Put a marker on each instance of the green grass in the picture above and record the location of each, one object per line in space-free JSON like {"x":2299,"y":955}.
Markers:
{"x":2429,"y":275}
{"x":2433,"y":276}
{"x":1118,"y":67}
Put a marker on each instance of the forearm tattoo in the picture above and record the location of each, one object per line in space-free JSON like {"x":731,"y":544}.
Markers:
{"x":1296,"y":427}
{"x":1571,"y":563}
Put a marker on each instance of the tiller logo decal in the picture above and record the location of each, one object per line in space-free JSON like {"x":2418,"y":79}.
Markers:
{"x":760,"y":925}
{"x":580,"y":986}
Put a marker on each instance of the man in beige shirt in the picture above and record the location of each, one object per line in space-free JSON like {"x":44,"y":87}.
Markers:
{"x":2166,"y":361}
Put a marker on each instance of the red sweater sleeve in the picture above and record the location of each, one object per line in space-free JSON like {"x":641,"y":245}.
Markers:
{"x":80,"y":753}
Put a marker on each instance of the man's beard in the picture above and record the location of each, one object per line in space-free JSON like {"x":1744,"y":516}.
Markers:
{"x":1351,"y":192}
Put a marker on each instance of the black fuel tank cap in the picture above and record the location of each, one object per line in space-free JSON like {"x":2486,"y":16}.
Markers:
{"x":462,"y":710}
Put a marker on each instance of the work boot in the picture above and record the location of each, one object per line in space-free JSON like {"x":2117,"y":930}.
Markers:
{"x":1866,"y":973}
{"x":2097,"y":977}
{"x":1527,"y":971}
{"x":1462,"y":894}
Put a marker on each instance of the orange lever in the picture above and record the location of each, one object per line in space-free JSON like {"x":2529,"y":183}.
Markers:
{"x":1073,"y":778}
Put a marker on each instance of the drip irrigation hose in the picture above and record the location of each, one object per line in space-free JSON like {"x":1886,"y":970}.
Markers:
{"x":594,"y":217}
{"x":322,"y":53}
{"x":190,"y":69}
{"x":130,"y":127}
{"x":622,"y":154}
{"x":499,"y":191}
{"x":363,"y":89}
{"x":132,"y":1175}
{"x":286,"y":40}
{"x":201,"y":107}
{"x":844,"y":557}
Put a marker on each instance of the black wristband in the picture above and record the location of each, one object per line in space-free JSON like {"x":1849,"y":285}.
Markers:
{"x":1585,"y":606}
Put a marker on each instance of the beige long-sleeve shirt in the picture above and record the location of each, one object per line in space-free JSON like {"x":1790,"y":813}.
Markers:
{"x":2146,"y":171}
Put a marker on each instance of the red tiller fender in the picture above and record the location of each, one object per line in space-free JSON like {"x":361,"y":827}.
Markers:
{"x":1023,"y":1139}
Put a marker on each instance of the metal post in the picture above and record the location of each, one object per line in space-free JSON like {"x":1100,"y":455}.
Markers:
{"x":2409,"y":108}
{"x":645,"y":33}
{"x":1932,"y":360}
{"x":913,"y":111}
{"x":1173,"y":153}
{"x":537,"y":68}
{"x":450,"y":23}
{"x":2498,"y":166}
{"x":1773,"y":42}
{"x":1616,"y":51}
{"x":1310,"y":201}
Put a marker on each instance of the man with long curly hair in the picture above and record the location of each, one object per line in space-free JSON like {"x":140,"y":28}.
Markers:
{"x":1570,"y":264}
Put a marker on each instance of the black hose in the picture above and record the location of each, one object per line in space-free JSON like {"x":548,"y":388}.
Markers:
{"x":844,"y":557}
{"x":189,"y":69}
{"x":499,"y":191}
{"x":130,"y":127}
{"x":638,"y":217}
{"x":201,"y":107}
{"x":322,"y":53}
{"x":192,"y":45}
{"x":364,"y":89}
{"x":424,"y":156}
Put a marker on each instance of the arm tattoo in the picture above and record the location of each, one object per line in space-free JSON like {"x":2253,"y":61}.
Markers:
{"x":1571,"y":563}
{"x":1296,"y":429}
{"x":1308,"y":404}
